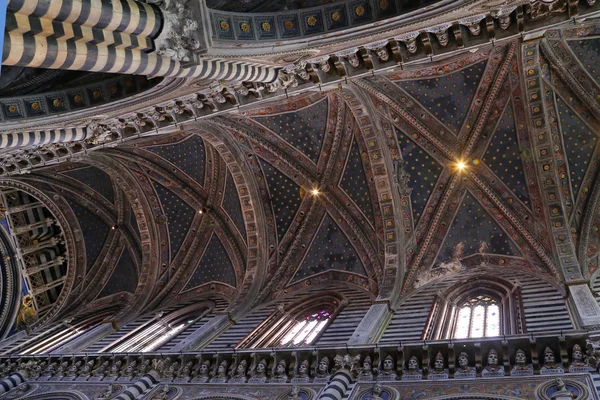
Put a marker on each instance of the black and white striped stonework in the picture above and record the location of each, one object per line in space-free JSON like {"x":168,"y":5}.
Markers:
{"x":38,"y":51}
{"x":138,"y":389}
{"x":540,"y":299}
{"x":55,"y":30}
{"x":337,"y":387}
{"x":125,"y":16}
{"x":11,"y":382}
{"x":9,"y":140}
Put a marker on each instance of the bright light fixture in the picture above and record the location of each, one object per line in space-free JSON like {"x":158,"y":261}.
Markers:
{"x":315,"y":192}
{"x":460,"y":165}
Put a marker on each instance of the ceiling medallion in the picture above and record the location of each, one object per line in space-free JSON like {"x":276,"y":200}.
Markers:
{"x":336,"y":16}
{"x":312,"y":21}
{"x":360,"y":11}
{"x":224,"y":25}
{"x":266,"y":27}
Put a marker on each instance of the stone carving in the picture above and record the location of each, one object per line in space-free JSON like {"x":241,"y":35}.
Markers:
{"x":543,"y":8}
{"x":550,"y":365}
{"x":366,"y":373}
{"x":376,"y":392}
{"x":322,"y":373}
{"x":19,"y":391}
{"x":294,"y":393}
{"x":259,"y":373}
{"x":382,"y":53}
{"x":387,"y":373}
{"x":186,"y":371}
{"x":562,"y":392}
{"x":412,"y":371}
{"x":441,"y":34}
{"x":177,"y":39}
{"x":464,"y":370}
{"x":239,"y":375}
{"x":492,"y":368}
{"x":353,"y":60}
{"x":438,"y":372}
{"x":221,"y":374}
{"x":110,"y":390}
{"x":325,"y":66}
{"x":203,"y":371}
{"x":86,"y":371}
{"x":401,"y":178}
{"x":577,"y":360}
{"x":130,"y":370}
{"x":162,"y":394}
{"x":51,"y":370}
{"x":144,"y":368}
{"x":280,"y":376}
{"x":115,"y":369}
{"x":172,"y":371}
{"x":302,"y":376}
{"x":74,"y":370}
{"x":521,"y":367}
{"x":62,"y":369}
{"x":101,"y":370}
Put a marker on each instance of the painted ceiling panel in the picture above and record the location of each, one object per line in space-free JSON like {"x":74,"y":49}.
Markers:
{"x":96,"y":179}
{"x":424,"y":172}
{"x":123,"y":279}
{"x":448,"y":97}
{"x":285,"y":196}
{"x":580,"y":143}
{"x":354,"y":182}
{"x":587,"y":52}
{"x":303,"y":129}
{"x":133,"y":222}
{"x":179,"y":216}
{"x":189,"y":156}
{"x":473,"y":225}
{"x":232,"y":205}
{"x":330,"y":249}
{"x":214,"y":265}
{"x":504,"y":157}
{"x":94,"y":231}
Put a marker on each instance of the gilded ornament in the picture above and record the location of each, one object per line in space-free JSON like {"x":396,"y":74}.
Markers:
{"x":12,"y":108}
{"x":96,"y":94}
{"x":224,"y":26}
{"x":266,"y":27}
{"x":311,"y":21}
{"x":56,"y":102}
{"x":336,"y":16}
{"x":288,"y":24}
{"x":78,"y":98}
{"x":113,"y":89}
{"x":245,"y":27}
{"x":384,"y":4}
{"x":360,"y":11}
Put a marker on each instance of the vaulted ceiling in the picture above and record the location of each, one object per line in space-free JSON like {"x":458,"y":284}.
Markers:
{"x":359,"y":185}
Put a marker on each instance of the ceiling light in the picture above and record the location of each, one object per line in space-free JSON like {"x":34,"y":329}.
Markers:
{"x":461,"y":165}
{"x":315,"y":192}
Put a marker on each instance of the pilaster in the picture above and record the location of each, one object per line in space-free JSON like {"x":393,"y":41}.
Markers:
{"x":372,"y":325}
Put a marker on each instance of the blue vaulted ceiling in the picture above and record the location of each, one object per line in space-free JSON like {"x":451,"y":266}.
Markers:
{"x":303,"y":129}
{"x":588,"y":54}
{"x":123,"y":279}
{"x":94,"y":232}
{"x":504,"y":157}
{"x":285,"y":196}
{"x":232,"y":205}
{"x":96,"y":179}
{"x":354,"y":181}
{"x":179,"y":216}
{"x":580,"y":144}
{"x":188,"y":155}
{"x":330,"y":249}
{"x":472,"y":225}
{"x":448,"y":97}
{"x":214,"y":265}
{"x":423,"y":170}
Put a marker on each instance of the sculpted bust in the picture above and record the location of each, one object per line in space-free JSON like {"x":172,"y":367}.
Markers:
{"x":74,"y":369}
{"x":261,"y":369}
{"x":303,"y":370}
{"x":549,"y":359}
{"x":463,"y":363}
{"x":116,"y":367}
{"x":101,"y":370}
{"x":323,"y":368}
{"x":280,"y":370}
{"x":87,"y":369}
{"x":492,"y":362}
{"x":222,"y":370}
{"x":387,"y":372}
{"x":204,"y":369}
{"x":366,"y":373}
{"x":412,"y":366}
{"x":521,"y":366}
{"x":577,"y":357}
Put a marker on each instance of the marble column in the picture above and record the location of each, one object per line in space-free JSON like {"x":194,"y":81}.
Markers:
{"x":372,"y":325}
{"x":12,"y":381}
{"x":206,"y":334}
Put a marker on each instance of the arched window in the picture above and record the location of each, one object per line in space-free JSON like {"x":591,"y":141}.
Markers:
{"x":159,"y":330}
{"x":479,"y":307}
{"x":478,"y":317}
{"x":302,"y":325}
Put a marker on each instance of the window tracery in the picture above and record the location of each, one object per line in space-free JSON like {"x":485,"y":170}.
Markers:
{"x":480,"y":307}
{"x":159,"y":330}
{"x":302,"y":325}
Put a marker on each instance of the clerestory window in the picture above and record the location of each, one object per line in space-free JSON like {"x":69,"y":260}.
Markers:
{"x":305,"y":332}
{"x":478,"y":317}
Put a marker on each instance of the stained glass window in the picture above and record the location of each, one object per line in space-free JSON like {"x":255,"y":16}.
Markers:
{"x":304,"y":332}
{"x":478,"y":317}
